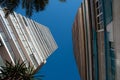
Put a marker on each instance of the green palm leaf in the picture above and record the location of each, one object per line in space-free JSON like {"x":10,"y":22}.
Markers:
{"x":19,"y":71}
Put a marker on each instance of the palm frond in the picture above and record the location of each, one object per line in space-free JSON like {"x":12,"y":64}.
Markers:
{"x":10,"y":5}
{"x":19,"y":71}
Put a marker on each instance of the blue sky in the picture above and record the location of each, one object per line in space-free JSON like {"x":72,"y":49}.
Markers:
{"x":59,"y":17}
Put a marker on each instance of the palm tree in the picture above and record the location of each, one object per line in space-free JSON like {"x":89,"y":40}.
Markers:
{"x":19,"y":71}
{"x":28,"y":5}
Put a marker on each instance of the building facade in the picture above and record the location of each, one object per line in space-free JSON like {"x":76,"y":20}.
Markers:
{"x":79,"y":44}
{"x":82,"y":41}
{"x":24,"y":39}
{"x":101,"y":35}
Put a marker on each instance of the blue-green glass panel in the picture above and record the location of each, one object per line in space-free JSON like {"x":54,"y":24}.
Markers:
{"x":107,"y":11}
{"x":95,"y":55}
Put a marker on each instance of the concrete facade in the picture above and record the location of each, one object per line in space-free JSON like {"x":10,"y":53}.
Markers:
{"x":82,"y":41}
{"x":116,"y":36}
{"x":79,"y":44}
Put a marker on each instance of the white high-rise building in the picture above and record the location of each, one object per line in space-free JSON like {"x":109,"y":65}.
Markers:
{"x":24,"y":39}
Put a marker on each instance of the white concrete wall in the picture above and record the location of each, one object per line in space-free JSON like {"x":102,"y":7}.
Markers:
{"x":116,"y":34}
{"x":110,"y":30}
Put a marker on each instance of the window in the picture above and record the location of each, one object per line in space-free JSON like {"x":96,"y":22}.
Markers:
{"x":99,"y":15}
{"x":112,"y":60}
{"x":34,"y":60}
{"x":1,"y":43}
{"x":1,"y":61}
{"x":24,"y":21}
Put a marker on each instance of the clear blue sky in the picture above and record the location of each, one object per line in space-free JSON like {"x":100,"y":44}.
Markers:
{"x":59,"y":17}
